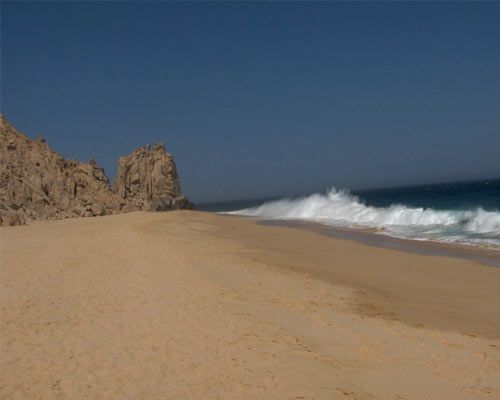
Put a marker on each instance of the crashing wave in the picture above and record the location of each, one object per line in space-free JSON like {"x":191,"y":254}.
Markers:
{"x":341,"y":208}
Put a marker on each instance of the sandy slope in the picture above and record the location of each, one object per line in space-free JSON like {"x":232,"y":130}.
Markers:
{"x":192,"y":305}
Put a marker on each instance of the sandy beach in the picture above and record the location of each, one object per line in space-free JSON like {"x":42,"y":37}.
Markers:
{"x":192,"y":305}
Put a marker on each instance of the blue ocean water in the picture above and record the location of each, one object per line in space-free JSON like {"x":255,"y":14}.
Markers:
{"x":457,"y":212}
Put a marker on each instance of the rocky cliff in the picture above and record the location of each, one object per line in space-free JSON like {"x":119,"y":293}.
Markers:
{"x":38,"y":183}
{"x":147,"y":179}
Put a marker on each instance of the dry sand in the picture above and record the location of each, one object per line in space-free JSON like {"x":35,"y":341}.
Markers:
{"x":187,"y":305}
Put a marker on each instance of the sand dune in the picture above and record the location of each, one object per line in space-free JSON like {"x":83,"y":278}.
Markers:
{"x":187,"y":305}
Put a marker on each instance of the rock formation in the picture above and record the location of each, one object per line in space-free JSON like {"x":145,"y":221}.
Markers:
{"x":147,"y":179}
{"x":38,"y":183}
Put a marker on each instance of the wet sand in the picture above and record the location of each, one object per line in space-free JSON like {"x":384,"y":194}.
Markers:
{"x":483,"y":255}
{"x":196,"y":305}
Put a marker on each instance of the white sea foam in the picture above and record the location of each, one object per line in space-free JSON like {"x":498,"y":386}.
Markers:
{"x":340,"y":208}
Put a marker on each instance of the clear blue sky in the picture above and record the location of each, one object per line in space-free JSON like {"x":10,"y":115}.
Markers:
{"x":262,"y":99}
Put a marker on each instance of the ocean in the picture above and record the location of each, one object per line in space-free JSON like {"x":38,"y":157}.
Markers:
{"x":456,"y":212}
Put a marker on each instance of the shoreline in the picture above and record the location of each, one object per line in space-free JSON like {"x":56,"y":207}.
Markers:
{"x":484,"y":255}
